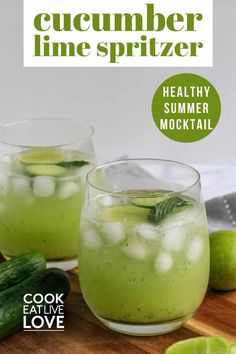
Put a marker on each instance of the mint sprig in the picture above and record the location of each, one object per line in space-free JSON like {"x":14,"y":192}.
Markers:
{"x":73,"y":163}
{"x":167,"y":207}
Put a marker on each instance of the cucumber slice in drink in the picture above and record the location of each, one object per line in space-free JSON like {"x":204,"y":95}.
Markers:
{"x":146,"y":202}
{"x":127,"y":214}
{"x":42,"y":157}
{"x":45,"y":170}
{"x":201,"y":345}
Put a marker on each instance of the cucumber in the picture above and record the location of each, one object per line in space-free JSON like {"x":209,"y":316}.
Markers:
{"x":45,"y":170}
{"x":147,"y":202}
{"x":42,"y":157}
{"x":19,"y":268}
{"x":53,"y":281}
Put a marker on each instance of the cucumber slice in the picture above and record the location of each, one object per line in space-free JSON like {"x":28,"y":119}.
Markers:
{"x":127,"y":214}
{"x":42,"y":157}
{"x":147,"y":202}
{"x":45,"y":170}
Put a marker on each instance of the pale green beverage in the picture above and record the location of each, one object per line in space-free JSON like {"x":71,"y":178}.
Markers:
{"x":41,"y":195}
{"x":144,"y":259}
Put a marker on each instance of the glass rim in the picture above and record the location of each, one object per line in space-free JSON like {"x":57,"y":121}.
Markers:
{"x":147,"y":159}
{"x":25,"y":121}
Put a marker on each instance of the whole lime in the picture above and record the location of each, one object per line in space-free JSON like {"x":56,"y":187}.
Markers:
{"x":223,"y":260}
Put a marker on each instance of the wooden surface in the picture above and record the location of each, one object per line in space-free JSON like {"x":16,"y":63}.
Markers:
{"x":85,"y":335}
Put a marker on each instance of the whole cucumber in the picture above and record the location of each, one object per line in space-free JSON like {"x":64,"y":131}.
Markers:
{"x":19,"y":268}
{"x":53,"y":281}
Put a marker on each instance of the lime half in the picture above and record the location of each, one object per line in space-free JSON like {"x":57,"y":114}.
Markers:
{"x":42,"y":157}
{"x":201,"y":345}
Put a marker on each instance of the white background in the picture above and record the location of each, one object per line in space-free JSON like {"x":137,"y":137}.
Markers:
{"x":117,"y":102}
{"x":202,"y":33}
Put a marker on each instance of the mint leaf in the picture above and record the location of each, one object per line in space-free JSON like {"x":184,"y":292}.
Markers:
{"x":73,"y":163}
{"x":167,"y":207}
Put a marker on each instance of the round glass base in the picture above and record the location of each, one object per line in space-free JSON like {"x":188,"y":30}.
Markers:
{"x":144,"y":329}
{"x":65,"y":265}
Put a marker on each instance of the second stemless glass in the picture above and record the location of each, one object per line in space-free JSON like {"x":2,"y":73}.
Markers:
{"x":144,"y":249}
{"x":43,"y":165}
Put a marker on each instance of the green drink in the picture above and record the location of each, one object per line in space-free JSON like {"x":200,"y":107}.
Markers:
{"x":142,"y":273}
{"x":41,"y":195}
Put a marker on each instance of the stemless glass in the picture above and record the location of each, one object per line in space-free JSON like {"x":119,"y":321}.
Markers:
{"x":43,"y":165}
{"x":144,"y":249}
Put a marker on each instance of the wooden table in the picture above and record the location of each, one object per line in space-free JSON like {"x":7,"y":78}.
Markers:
{"x":85,"y":335}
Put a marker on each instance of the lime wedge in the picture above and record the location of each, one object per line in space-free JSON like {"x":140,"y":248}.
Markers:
{"x":201,"y":345}
{"x":127,"y":214}
{"x":42,"y":157}
{"x":45,"y":170}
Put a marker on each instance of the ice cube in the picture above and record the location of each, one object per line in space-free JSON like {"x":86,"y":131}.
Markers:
{"x":43,"y":186}
{"x":190,"y":214}
{"x":173,"y":220}
{"x":91,"y":238}
{"x":195,"y":249}
{"x":163,"y":262}
{"x":186,"y":216}
{"x":108,"y":200}
{"x":135,"y":250}
{"x":92,"y":211}
{"x":21,"y":187}
{"x":147,"y":231}
{"x":83,"y":171}
{"x":3,"y":184}
{"x":113,"y":232}
{"x":174,"y":238}
{"x":67,"y":189}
